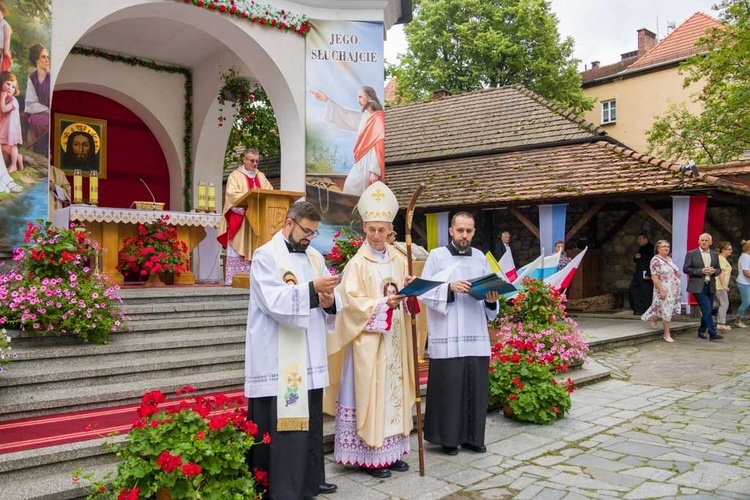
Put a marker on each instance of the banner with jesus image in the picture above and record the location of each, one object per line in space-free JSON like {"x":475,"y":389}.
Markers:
{"x":345,"y":119}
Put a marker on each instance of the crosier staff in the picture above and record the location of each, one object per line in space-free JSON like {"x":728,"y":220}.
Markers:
{"x":415,"y":359}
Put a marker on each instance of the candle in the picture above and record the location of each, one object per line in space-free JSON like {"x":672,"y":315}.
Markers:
{"x":94,"y":188}
{"x":77,"y":187}
{"x":211,"y":198}
{"x":202,"y":196}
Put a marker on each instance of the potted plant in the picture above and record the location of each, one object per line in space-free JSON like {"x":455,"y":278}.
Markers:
{"x":194,"y":448}
{"x":53,"y":288}
{"x":346,"y":245}
{"x":524,"y":384}
{"x":537,"y":314}
{"x":155,"y":249}
{"x":239,"y":91}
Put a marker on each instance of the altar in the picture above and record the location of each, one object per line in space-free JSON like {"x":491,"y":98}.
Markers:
{"x":110,"y":226}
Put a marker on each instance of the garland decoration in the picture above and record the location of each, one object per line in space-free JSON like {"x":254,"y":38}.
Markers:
{"x":262,"y":14}
{"x":187,"y":138}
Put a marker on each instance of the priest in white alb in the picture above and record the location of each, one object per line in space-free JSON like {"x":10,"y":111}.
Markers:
{"x":292,"y":306}
{"x":458,"y":342}
{"x":371,"y":349}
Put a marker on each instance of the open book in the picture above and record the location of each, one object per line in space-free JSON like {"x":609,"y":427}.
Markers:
{"x":419,"y":286}
{"x":488,"y":283}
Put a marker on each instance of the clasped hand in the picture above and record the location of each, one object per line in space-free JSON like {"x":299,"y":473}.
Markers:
{"x":708,"y":270}
{"x":325,"y":284}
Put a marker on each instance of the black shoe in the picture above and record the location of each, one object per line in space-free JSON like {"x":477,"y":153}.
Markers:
{"x":326,"y":488}
{"x":381,"y":473}
{"x":478,"y":449}
{"x":717,"y":337}
{"x":702,"y":335}
{"x":450,"y":450}
{"x":399,"y":466}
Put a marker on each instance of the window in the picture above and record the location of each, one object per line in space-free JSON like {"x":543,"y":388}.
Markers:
{"x":609,"y":111}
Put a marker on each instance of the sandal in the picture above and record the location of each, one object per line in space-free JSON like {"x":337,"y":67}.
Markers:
{"x":15,"y":188}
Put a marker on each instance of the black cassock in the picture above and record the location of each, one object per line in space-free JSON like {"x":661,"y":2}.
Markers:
{"x":641,"y":289}
{"x":456,"y":409}
{"x":294,"y":459}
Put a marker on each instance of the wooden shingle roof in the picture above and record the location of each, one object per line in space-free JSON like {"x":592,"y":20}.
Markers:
{"x":478,"y":122}
{"x":595,"y":170}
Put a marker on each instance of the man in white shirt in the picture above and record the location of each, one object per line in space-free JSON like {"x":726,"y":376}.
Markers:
{"x":702,"y":268}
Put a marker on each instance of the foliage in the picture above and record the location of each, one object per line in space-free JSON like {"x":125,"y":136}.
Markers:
{"x":253,"y":119}
{"x":526,"y":383}
{"x":52,"y":289}
{"x":195,"y":448}
{"x":155,"y":249}
{"x":464,"y":45}
{"x":537,"y":315}
{"x":5,"y":355}
{"x":720,"y":131}
{"x":347,"y":243}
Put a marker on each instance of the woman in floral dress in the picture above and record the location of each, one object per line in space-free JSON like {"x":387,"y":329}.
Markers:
{"x":666,"y":299}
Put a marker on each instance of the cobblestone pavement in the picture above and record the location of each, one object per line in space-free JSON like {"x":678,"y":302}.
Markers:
{"x":674,"y":422}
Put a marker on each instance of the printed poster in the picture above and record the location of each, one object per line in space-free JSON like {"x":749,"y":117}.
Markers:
{"x":24,"y":126}
{"x":345,"y":129}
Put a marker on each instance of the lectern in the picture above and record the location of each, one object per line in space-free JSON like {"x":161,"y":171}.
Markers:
{"x":265,"y":210}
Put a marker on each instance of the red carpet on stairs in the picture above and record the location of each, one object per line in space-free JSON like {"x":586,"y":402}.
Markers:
{"x":52,"y":430}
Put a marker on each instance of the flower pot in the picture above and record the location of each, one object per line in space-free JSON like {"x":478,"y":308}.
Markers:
{"x":154,"y":280}
{"x":163,"y":494}
{"x":507,"y":411}
{"x":167,"y":278}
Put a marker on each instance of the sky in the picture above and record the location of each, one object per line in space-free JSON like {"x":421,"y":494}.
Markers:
{"x":601,"y":29}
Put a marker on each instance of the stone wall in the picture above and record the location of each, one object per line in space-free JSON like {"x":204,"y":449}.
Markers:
{"x":618,"y":252}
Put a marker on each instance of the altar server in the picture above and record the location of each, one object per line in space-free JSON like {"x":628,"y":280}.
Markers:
{"x":458,"y":343}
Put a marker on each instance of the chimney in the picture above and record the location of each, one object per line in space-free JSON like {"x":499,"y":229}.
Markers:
{"x":646,"y":41}
{"x":595,"y":64}
{"x":440,"y":93}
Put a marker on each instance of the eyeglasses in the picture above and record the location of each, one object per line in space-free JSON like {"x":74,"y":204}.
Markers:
{"x":251,"y":161}
{"x":310,"y":233}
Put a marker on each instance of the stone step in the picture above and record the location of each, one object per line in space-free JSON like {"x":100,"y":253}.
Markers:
{"x":123,"y":342}
{"x":137,"y":296}
{"x":65,"y":371}
{"x":184,"y":309}
{"x":639,"y":336}
{"x":120,"y":390}
{"x":214,"y":323}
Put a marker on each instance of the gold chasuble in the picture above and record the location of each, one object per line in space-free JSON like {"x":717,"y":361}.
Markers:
{"x":381,"y":360}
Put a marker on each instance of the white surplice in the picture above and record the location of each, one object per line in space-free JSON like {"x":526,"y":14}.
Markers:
{"x":272,"y":301}
{"x":458,"y":328}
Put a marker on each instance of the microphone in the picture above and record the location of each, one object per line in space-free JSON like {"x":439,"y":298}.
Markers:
{"x":153,"y":198}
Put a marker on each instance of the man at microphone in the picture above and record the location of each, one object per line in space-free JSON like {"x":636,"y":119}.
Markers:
{"x":234,"y":229}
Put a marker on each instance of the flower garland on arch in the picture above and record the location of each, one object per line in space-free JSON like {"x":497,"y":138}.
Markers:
{"x":187,"y":137}
{"x":262,"y":14}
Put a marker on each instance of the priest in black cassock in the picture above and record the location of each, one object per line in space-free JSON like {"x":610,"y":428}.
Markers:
{"x":458,"y":343}
{"x":641,"y":286}
{"x":292,"y":305}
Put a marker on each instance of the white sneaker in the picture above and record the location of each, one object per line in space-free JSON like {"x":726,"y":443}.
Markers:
{"x":739,"y":324}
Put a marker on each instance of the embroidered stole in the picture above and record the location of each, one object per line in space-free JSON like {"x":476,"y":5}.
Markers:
{"x":291,"y":402}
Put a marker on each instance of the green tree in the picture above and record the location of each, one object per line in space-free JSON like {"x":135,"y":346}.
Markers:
{"x":721,"y":130}
{"x":464,"y":45}
{"x":254,"y":128}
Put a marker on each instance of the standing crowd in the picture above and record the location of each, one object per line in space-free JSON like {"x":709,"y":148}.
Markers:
{"x":709,"y":279}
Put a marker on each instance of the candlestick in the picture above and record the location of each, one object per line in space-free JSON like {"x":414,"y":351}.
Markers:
{"x":93,"y":188}
{"x":202,"y":196}
{"x":77,"y":187}
{"x":211,"y":198}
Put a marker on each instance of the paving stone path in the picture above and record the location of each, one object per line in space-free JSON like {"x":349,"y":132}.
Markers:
{"x":674,"y":422}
